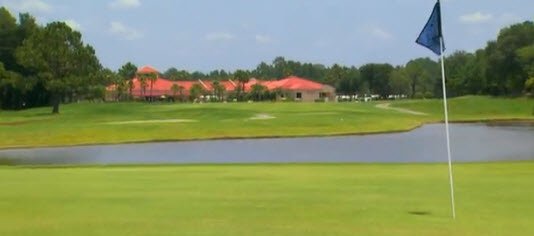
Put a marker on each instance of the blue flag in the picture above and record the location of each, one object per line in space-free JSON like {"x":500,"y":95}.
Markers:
{"x":431,"y":34}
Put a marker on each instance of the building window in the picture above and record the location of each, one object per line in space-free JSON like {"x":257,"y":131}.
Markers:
{"x":299,"y":95}
{"x":322,"y":95}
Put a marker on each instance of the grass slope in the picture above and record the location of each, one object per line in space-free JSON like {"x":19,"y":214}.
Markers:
{"x":492,"y":199}
{"x":88,"y":123}
{"x":476,"y":108}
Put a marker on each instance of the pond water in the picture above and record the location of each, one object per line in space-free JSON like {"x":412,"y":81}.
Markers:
{"x":470,"y":143}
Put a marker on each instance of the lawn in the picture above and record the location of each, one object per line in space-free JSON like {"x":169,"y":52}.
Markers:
{"x":90,"y":123}
{"x":475,"y":108}
{"x":313,"y":199}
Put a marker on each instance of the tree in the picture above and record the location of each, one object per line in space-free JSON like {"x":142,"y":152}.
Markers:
{"x":242,"y":77}
{"x":257,"y":92}
{"x":103,"y":79}
{"x":125,"y":78}
{"x":146,"y":79}
{"x":526,"y":57}
{"x":336,"y":74}
{"x":177,"y":89}
{"x":20,"y":88}
{"x":505,"y":73}
{"x":424,"y":75}
{"x":127,"y":71}
{"x":9,"y":42}
{"x":529,"y":86}
{"x":399,"y":82}
{"x":196,"y":91}
{"x":197,"y":75}
{"x":218,"y":90}
{"x":62,"y":60}
{"x":179,"y":75}
{"x":172,"y":74}
{"x":152,"y":77}
{"x":377,"y":77}
{"x":143,"y":82}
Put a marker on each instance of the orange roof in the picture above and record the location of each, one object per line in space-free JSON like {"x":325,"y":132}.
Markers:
{"x":159,"y":87}
{"x":186,"y":85}
{"x":293,"y":83}
{"x":228,"y":85}
{"x":163,"y":87}
{"x":147,"y":70}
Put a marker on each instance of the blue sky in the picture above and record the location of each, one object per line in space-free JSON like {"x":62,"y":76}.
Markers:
{"x":229,"y":34}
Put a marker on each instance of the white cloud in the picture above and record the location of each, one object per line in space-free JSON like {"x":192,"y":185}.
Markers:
{"x":476,"y":18}
{"x":123,"y":31}
{"x":124,"y":4}
{"x":73,"y":24}
{"x":380,"y":33}
{"x":219,"y":36}
{"x":32,"y":6}
{"x":263,"y":39}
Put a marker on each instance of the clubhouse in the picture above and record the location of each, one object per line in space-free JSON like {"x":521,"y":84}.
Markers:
{"x":291,"y":88}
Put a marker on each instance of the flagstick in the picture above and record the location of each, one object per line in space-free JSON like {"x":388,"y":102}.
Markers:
{"x":445,"y":107}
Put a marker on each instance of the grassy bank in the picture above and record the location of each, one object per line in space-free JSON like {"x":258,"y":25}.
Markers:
{"x":88,"y":123}
{"x":492,"y":199}
{"x":471,"y":108}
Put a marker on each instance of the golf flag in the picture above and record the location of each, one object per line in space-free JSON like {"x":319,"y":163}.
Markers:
{"x":432,"y":38}
{"x":431,"y":34}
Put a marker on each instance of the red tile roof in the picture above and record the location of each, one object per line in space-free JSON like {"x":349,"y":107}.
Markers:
{"x":293,"y":83}
{"x":147,"y":70}
{"x":163,"y":87}
{"x":160,"y":87}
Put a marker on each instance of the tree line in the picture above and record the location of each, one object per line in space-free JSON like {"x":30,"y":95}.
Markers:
{"x":47,"y":65}
{"x":504,"y":67}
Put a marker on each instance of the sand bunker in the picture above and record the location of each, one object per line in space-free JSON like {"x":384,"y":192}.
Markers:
{"x":262,"y":117}
{"x":151,"y":121}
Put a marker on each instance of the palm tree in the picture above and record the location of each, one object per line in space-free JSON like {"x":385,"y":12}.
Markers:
{"x":130,"y":88}
{"x":152,"y":77}
{"x":143,"y":82}
{"x":176,"y":89}
{"x":181,"y":92}
{"x":257,"y":92}
{"x":218,"y":90}
{"x":121,"y":88}
{"x":243,"y":78}
{"x":195,"y":91}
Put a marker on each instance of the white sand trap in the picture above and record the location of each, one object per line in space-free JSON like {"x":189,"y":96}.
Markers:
{"x":262,"y":117}
{"x":151,"y":121}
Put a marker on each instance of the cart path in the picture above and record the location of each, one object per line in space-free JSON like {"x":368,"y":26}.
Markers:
{"x":386,"y":106}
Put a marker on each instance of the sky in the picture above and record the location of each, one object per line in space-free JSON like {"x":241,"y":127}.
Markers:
{"x":205,"y":35}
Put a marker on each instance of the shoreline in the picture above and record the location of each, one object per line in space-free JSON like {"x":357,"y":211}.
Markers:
{"x":489,"y":122}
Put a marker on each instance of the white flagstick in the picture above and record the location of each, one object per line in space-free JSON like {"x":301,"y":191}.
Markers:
{"x":445,"y":107}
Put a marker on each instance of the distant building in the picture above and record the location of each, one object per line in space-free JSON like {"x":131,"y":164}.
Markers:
{"x":290,"y":88}
{"x":300,"y":89}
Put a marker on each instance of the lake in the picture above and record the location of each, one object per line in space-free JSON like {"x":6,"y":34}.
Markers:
{"x":470,"y":143}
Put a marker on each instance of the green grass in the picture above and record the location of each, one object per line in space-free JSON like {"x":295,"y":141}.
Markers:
{"x":87,"y":123}
{"x":476,"y":108}
{"x":314,"y":199}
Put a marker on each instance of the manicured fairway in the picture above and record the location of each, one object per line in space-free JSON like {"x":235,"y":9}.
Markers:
{"x":492,"y":199}
{"x":87,"y":123}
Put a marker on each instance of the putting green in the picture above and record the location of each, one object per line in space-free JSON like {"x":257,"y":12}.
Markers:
{"x":343,"y":199}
